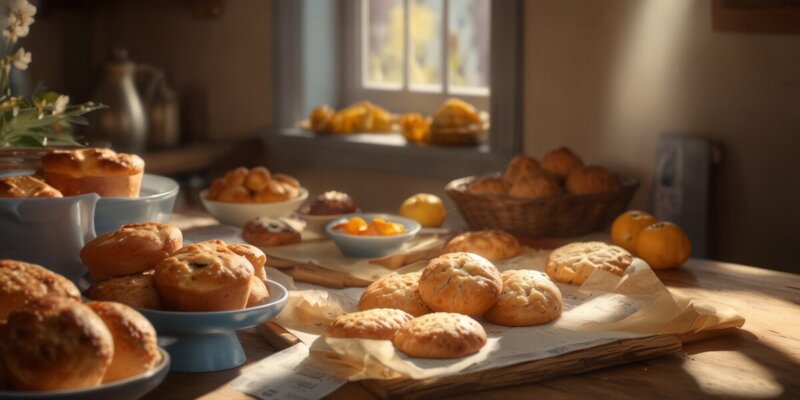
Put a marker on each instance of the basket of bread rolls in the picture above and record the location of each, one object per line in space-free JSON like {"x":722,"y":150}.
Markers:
{"x":558,"y":196}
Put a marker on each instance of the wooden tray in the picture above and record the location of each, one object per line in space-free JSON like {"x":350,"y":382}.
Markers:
{"x":615,"y":353}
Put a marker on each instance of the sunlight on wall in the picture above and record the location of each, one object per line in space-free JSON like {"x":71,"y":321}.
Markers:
{"x":641,"y":80}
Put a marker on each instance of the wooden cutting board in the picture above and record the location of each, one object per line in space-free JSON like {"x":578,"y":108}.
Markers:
{"x":615,"y":353}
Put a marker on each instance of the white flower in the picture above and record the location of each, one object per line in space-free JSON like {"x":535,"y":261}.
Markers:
{"x":22,"y":58}
{"x":60,"y":104}
{"x":18,"y":18}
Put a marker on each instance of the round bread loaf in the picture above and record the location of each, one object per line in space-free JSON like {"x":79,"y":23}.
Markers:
{"x":463,"y":283}
{"x":138,"y":291}
{"x":539,"y":184}
{"x":132,"y":249}
{"x":594,"y":179}
{"x":440,"y":335}
{"x":268,"y":232}
{"x":521,"y":166}
{"x":22,"y":282}
{"x":253,"y":254}
{"x":573,"y":263}
{"x":528,"y":298}
{"x":55,"y":343}
{"x":490,"y":244}
{"x":204,"y":281}
{"x":135,"y":348}
{"x":560,"y":162}
{"x":259,"y":294}
{"x":488,"y":185}
{"x":399,"y":291}
{"x":26,"y":187}
{"x":377,"y":323}
{"x":93,"y":170}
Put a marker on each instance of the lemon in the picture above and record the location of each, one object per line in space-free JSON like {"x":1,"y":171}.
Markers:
{"x":427,"y":209}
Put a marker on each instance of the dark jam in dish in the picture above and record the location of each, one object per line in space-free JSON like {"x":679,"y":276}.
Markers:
{"x":332,"y":203}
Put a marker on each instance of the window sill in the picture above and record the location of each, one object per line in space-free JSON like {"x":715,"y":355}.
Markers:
{"x":380,"y":153}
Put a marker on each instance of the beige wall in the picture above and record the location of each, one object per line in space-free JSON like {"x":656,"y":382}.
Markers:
{"x":605,"y":78}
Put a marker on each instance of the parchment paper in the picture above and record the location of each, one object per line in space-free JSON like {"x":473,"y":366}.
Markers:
{"x":606,"y":308}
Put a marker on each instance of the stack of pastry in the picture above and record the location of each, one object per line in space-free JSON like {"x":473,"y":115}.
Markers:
{"x":456,"y":122}
{"x":145,"y":266}
{"x":560,"y":171}
{"x":256,"y":185}
{"x":86,"y":344}
{"x":430,"y":314}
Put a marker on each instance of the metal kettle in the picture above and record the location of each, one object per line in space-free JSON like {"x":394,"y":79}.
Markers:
{"x":123,"y":125}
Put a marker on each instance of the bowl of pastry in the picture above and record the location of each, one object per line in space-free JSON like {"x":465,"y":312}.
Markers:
{"x":325,"y":208}
{"x":196,"y":296}
{"x":557,"y":197}
{"x":371,"y":235}
{"x":99,"y":349}
{"x":243,"y":194}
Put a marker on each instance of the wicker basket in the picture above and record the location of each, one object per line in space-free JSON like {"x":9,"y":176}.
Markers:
{"x":558,"y":216}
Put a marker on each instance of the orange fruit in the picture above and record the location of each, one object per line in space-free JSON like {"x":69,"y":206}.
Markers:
{"x":663,"y":245}
{"x":626,"y":228}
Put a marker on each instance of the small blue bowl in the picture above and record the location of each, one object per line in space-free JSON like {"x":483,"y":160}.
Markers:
{"x":371,"y":246}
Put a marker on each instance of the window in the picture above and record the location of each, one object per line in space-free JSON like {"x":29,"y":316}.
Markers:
{"x":411,"y":55}
{"x":318,"y":56}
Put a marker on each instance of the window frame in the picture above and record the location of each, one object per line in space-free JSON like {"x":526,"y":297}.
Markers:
{"x":302,"y":54}
{"x":400,"y":99}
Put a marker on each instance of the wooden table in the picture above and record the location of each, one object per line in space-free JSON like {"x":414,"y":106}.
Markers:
{"x":761,"y":360}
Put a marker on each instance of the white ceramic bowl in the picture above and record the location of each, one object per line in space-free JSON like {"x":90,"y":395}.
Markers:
{"x":371,"y":246}
{"x":237,"y":214}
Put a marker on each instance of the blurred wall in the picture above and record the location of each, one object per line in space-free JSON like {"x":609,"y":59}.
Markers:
{"x":219,"y":66}
{"x":605,"y":78}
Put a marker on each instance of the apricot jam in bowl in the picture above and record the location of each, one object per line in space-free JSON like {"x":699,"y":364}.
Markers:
{"x":371,"y":235}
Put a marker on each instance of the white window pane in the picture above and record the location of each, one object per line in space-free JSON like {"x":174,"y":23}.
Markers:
{"x":383,"y":36}
{"x":468,"y":28}
{"x":425,"y":42}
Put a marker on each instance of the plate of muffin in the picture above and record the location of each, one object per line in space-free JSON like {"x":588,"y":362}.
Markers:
{"x":55,"y":346}
{"x":196,"y":295}
{"x":558,"y":196}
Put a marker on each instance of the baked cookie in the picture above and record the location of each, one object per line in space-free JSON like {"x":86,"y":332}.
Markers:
{"x":138,"y":291}
{"x":574,"y":262}
{"x":440,"y":335}
{"x":490,"y":244}
{"x":55,"y":343}
{"x":135,"y":348}
{"x":528,"y":298}
{"x":26,"y":187}
{"x":132,"y":249}
{"x":377,"y":323}
{"x":488,"y":185}
{"x":22,"y":282}
{"x":521,"y":166}
{"x":560,"y":162}
{"x":539,"y":184}
{"x":204,"y":280}
{"x":594,"y":179}
{"x":460,"y":282}
{"x":399,"y":291}
{"x":268,"y":232}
